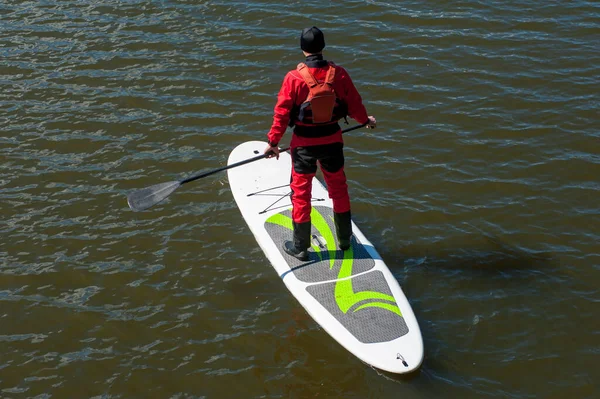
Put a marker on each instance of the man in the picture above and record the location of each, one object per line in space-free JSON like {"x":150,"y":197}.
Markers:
{"x":314,"y":112}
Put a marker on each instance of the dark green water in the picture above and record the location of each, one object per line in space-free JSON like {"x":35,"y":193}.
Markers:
{"x":479,"y":188}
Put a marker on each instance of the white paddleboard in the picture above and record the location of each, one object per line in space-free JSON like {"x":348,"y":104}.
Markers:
{"x":351,"y":294}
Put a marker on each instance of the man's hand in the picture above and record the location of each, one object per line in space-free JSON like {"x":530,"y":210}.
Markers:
{"x":271,"y":152}
{"x":372,"y":123}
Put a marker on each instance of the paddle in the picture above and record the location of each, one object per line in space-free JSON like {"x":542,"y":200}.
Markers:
{"x":145,"y":198}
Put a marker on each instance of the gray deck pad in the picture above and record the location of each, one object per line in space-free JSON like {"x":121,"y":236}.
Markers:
{"x":359,"y":299}
{"x":364,"y":305}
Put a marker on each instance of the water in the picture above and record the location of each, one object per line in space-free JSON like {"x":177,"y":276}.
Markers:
{"x":479,"y":188}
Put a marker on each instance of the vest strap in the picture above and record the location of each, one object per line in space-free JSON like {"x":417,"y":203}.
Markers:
{"x":306,"y":75}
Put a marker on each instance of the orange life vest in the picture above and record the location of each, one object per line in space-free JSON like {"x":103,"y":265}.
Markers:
{"x":322,"y":105}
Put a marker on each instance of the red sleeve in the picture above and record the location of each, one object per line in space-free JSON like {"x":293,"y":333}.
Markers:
{"x":283,"y":108}
{"x":356,"y":109}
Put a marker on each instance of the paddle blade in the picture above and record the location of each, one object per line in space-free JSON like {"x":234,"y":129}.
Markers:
{"x":150,"y":196}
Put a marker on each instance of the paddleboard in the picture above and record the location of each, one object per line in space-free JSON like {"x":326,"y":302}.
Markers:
{"x":351,"y":294}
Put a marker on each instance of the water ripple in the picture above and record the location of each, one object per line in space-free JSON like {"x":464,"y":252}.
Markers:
{"x":478,"y":188}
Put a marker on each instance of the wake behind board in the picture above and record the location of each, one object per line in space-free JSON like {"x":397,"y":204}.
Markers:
{"x":351,"y":294}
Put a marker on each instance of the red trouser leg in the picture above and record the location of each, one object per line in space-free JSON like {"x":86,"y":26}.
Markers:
{"x":304,"y":167}
{"x":301,"y":186}
{"x":338,"y":189}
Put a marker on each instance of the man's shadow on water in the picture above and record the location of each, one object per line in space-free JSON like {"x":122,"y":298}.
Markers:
{"x":490,"y":259}
{"x":490,"y":255}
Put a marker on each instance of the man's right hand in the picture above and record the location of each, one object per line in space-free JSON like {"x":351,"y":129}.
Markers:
{"x":271,"y":152}
{"x":372,"y":123}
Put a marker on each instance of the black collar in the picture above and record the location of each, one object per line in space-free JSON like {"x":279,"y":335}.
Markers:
{"x":316,"y":61}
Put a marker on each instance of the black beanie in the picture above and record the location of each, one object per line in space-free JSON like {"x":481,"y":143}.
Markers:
{"x":312,"y":40}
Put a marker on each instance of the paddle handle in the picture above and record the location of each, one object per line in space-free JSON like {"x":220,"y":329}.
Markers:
{"x":256,"y":158}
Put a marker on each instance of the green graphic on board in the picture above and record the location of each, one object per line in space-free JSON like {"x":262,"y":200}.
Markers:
{"x":345,"y":296}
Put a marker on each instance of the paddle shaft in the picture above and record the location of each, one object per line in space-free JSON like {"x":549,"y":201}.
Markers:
{"x":256,"y":158}
{"x":233,"y":165}
{"x":150,"y":196}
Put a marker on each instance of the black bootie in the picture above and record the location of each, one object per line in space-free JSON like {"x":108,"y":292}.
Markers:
{"x":343,"y":229}
{"x":299,"y":247}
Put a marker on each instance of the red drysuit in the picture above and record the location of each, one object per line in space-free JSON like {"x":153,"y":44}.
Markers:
{"x":311,"y":142}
